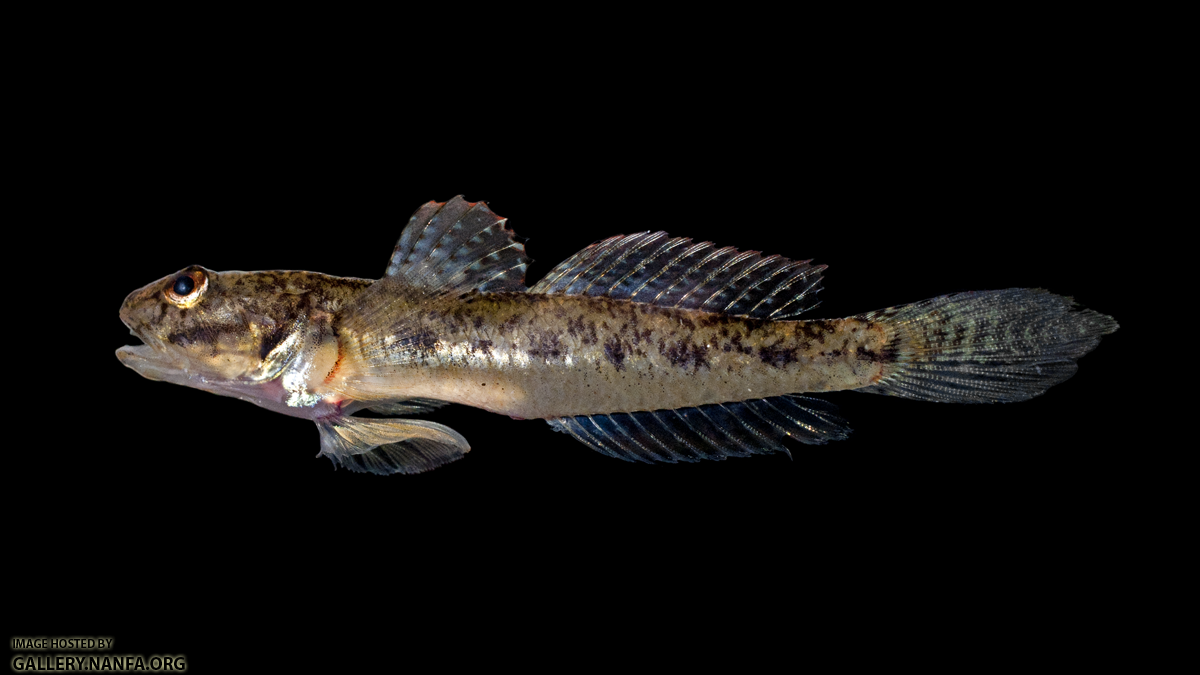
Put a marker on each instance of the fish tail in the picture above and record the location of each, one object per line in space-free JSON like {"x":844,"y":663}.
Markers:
{"x":984,"y":347}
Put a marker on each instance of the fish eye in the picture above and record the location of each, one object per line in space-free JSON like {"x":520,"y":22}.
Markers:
{"x":187,"y":287}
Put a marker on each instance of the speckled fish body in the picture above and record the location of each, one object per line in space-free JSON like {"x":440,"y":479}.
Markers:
{"x":642,"y":347}
{"x":246,"y":339}
{"x":548,"y":356}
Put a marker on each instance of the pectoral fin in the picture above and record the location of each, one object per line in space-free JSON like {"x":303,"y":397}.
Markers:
{"x":390,"y":446}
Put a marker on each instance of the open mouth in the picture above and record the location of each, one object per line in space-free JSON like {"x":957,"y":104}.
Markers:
{"x":147,"y":356}
{"x":147,"y":361}
{"x":137,"y":347}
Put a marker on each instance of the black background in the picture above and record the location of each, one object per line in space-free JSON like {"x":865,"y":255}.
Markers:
{"x":184,"y":516}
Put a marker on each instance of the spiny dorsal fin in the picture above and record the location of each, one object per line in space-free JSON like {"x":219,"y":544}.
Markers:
{"x":459,"y":245}
{"x":648,"y":267}
{"x":446,"y":249}
{"x":716,"y":431}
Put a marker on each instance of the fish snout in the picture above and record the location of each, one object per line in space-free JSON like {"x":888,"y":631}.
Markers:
{"x":132,"y":314}
{"x":144,"y":310}
{"x":126,"y":312}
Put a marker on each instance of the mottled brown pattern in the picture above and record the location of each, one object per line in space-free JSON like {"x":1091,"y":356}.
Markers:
{"x":544,"y":355}
{"x":568,"y":355}
{"x":453,"y":322}
{"x":240,"y":318}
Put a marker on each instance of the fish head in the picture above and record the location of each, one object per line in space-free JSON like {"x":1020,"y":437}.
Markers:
{"x":199,"y":331}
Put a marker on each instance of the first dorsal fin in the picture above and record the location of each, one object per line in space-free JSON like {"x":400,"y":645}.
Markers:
{"x":459,"y":245}
{"x":648,"y":267}
{"x":446,"y":249}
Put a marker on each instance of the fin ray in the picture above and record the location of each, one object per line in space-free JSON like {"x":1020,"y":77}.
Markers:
{"x":446,"y":249}
{"x":713,"y":431}
{"x":651,"y":268}
{"x":459,"y":245}
{"x":986,"y":346}
{"x":408,"y":406}
{"x":389,"y":446}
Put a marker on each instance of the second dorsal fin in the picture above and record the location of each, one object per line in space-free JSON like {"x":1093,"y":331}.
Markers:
{"x":459,"y":245}
{"x":648,"y":267}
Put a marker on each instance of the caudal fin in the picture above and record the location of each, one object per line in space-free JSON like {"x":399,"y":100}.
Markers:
{"x":986,"y":346}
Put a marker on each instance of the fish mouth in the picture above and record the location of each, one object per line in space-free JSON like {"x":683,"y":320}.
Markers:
{"x":149,"y":363}
{"x":149,"y":360}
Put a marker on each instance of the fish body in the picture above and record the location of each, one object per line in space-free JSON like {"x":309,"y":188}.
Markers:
{"x":545,"y":356}
{"x":643,"y":347}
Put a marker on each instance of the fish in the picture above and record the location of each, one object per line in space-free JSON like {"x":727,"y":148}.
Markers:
{"x":643,"y":347}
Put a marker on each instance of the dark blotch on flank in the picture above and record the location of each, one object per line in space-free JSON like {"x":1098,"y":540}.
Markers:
{"x":425,"y":342}
{"x":681,"y":355}
{"x":675,"y":352}
{"x":575,"y":326}
{"x":545,"y":346}
{"x":776,"y":356}
{"x":737,"y":344}
{"x":615,"y":353}
{"x":815,"y":330}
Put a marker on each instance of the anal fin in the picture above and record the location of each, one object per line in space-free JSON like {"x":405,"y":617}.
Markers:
{"x":715,"y":431}
{"x":385,"y":446}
